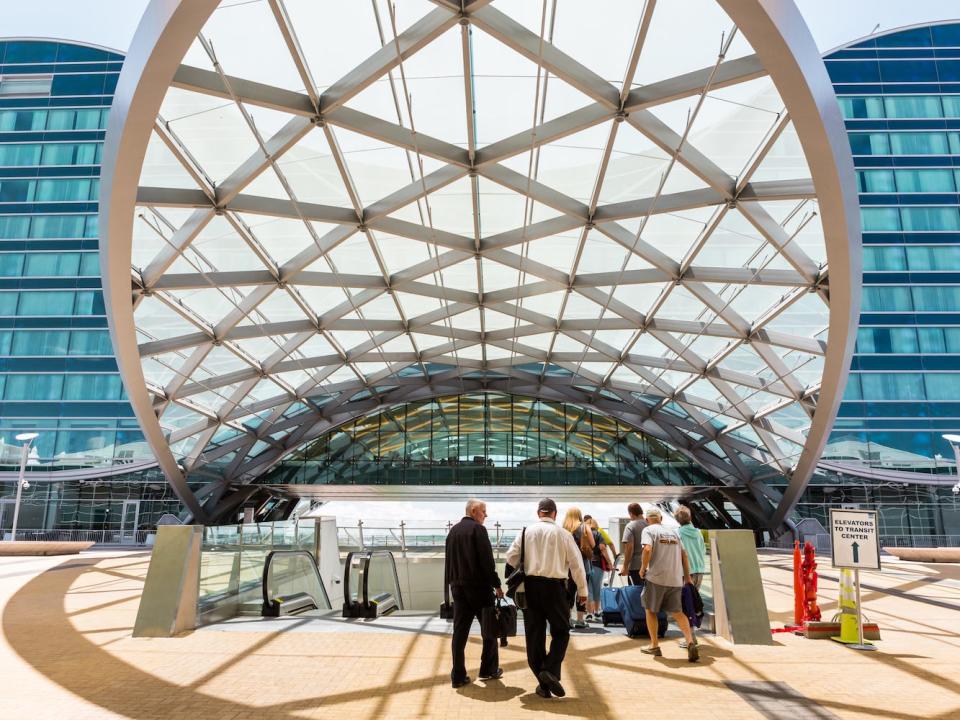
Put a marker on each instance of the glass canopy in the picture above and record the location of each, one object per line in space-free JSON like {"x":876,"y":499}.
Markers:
{"x":484,"y":439}
{"x":601,"y":203}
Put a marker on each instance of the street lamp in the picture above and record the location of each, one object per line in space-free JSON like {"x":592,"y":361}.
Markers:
{"x":954,"y":441}
{"x":26,"y":439}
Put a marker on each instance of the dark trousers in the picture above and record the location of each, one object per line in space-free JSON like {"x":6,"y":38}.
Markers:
{"x":635,"y":578}
{"x":546,"y":605}
{"x":468,"y":602}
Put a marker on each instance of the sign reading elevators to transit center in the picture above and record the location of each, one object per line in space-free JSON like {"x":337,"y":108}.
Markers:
{"x":855,"y":540}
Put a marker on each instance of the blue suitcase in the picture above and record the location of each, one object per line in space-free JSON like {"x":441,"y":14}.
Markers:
{"x":634,"y":616}
{"x":610,"y":606}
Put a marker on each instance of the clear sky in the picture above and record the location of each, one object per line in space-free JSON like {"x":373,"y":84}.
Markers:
{"x":112,"y":23}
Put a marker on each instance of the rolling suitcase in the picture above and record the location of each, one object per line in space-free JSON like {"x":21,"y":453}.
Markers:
{"x":634,"y":616}
{"x":610,"y":606}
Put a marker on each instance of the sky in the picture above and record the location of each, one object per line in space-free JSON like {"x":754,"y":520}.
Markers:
{"x":112,"y":23}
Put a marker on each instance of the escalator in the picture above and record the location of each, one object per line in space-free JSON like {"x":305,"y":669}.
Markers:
{"x":371,"y":586}
{"x":292,"y":584}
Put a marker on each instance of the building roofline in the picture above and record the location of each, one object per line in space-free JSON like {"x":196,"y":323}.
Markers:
{"x":892,"y":31}
{"x":81,"y":43}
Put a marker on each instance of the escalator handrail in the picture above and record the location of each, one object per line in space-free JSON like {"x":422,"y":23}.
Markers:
{"x":313,"y":564}
{"x":365,"y":557}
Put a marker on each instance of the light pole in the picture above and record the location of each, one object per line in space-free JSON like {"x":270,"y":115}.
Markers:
{"x":954,"y":441}
{"x":26,"y":439}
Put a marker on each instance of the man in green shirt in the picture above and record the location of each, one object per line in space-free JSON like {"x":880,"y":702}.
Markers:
{"x":692,"y":540}
{"x":693,"y":545}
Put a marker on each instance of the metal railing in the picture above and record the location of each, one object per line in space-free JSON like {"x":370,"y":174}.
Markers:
{"x":404,"y":537}
{"x":920,"y":541}
{"x":400,"y":537}
{"x":822,"y":542}
{"x":98,"y":537}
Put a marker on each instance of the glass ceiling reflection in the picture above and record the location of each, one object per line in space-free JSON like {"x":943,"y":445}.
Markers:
{"x":481,"y":439}
{"x":601,"y":203}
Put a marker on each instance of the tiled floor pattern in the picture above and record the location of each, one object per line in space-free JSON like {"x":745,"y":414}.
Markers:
{"x":66,"y":654}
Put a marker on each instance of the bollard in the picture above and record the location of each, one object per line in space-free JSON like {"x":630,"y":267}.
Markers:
{"x":797,"y":586}
{"x":849,"y":633}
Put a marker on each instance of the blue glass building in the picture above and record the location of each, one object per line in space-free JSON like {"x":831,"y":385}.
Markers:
{"x":900,"y":96}
{"x":58,"y":375}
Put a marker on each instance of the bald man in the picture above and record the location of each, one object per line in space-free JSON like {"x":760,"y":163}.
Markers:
{"x":471,"y":573}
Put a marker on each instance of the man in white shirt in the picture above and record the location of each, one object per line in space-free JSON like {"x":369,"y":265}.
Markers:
{"x":550,"y":552}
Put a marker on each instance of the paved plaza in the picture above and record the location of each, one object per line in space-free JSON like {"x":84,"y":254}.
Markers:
{"x":67,"y":652}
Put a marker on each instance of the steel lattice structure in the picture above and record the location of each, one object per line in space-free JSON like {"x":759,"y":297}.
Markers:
{"x":238,"y":347}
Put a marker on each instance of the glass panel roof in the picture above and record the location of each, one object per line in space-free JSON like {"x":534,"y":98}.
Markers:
{"x":600,"y":203}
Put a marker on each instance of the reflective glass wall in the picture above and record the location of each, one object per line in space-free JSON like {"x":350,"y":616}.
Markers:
{"x":900,"y":97}
{"x":58,"y":375}
{"x":487,"y":438}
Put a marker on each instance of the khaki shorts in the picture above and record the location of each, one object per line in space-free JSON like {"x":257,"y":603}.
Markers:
{"x":661,"y":597}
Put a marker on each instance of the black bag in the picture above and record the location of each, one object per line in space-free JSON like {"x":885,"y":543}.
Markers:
{"x":446,"y":609}
{"x":498,"y":620}
{"x":515,"y":579}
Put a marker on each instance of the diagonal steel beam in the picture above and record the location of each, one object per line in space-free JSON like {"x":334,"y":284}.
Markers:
{"x":729,"y":72}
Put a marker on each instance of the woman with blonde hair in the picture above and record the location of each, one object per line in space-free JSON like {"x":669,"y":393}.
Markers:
{"x":587,"y":541}
{"x":601,"y":561}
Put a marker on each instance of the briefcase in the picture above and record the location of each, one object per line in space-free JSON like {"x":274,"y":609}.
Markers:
{"x":446,"y":608}
{"x":499,"y":620}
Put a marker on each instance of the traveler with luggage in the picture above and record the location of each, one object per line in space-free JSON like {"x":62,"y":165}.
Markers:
{"x":632,"y":545}
{"x":599,"y":562}
{"x":471,"y":572}
{"x":692,"y":540}
{"x":664,"y":570}
{"x":695,"y":548}
{"x":586,"y":541}
{"x":549,"y":553}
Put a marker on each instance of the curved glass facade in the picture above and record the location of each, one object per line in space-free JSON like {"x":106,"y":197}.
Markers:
{"x":487,"y":438}
{"x":58,"y":374}
{"x":900,"y":96}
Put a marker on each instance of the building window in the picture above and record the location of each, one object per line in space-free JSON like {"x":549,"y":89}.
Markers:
{"x":923,"y":219}
{"x":923,"y":181}
{"x":917,"y":106}
{"x":892,"y":386}
{"x":880,"y":219}
{"x":886,"y":298}
{"x":25,"y":85}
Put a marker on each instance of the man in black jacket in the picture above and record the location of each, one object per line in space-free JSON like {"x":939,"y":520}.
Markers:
{"x":471,"y":572}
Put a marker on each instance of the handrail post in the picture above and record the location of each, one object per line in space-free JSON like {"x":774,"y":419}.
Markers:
{"x":403,"y":537}
{"x":360,"y":532}
{"x":497,"y":526}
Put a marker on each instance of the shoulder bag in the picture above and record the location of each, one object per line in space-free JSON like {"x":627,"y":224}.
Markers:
{"x":515,"y":580}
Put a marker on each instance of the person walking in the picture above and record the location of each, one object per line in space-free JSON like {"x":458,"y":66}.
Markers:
{"x":695,"y":548}
{"x":664,"y":569}
{"x":471,"y":572}
{"x":549,"y":554}
{"x":596,"y":570}
{"x":632,"y":545}
{"x":693,"y":544}
{"x":587,"y":542}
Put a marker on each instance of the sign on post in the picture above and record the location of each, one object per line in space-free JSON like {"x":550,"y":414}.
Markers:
{"x":856,"y":543}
